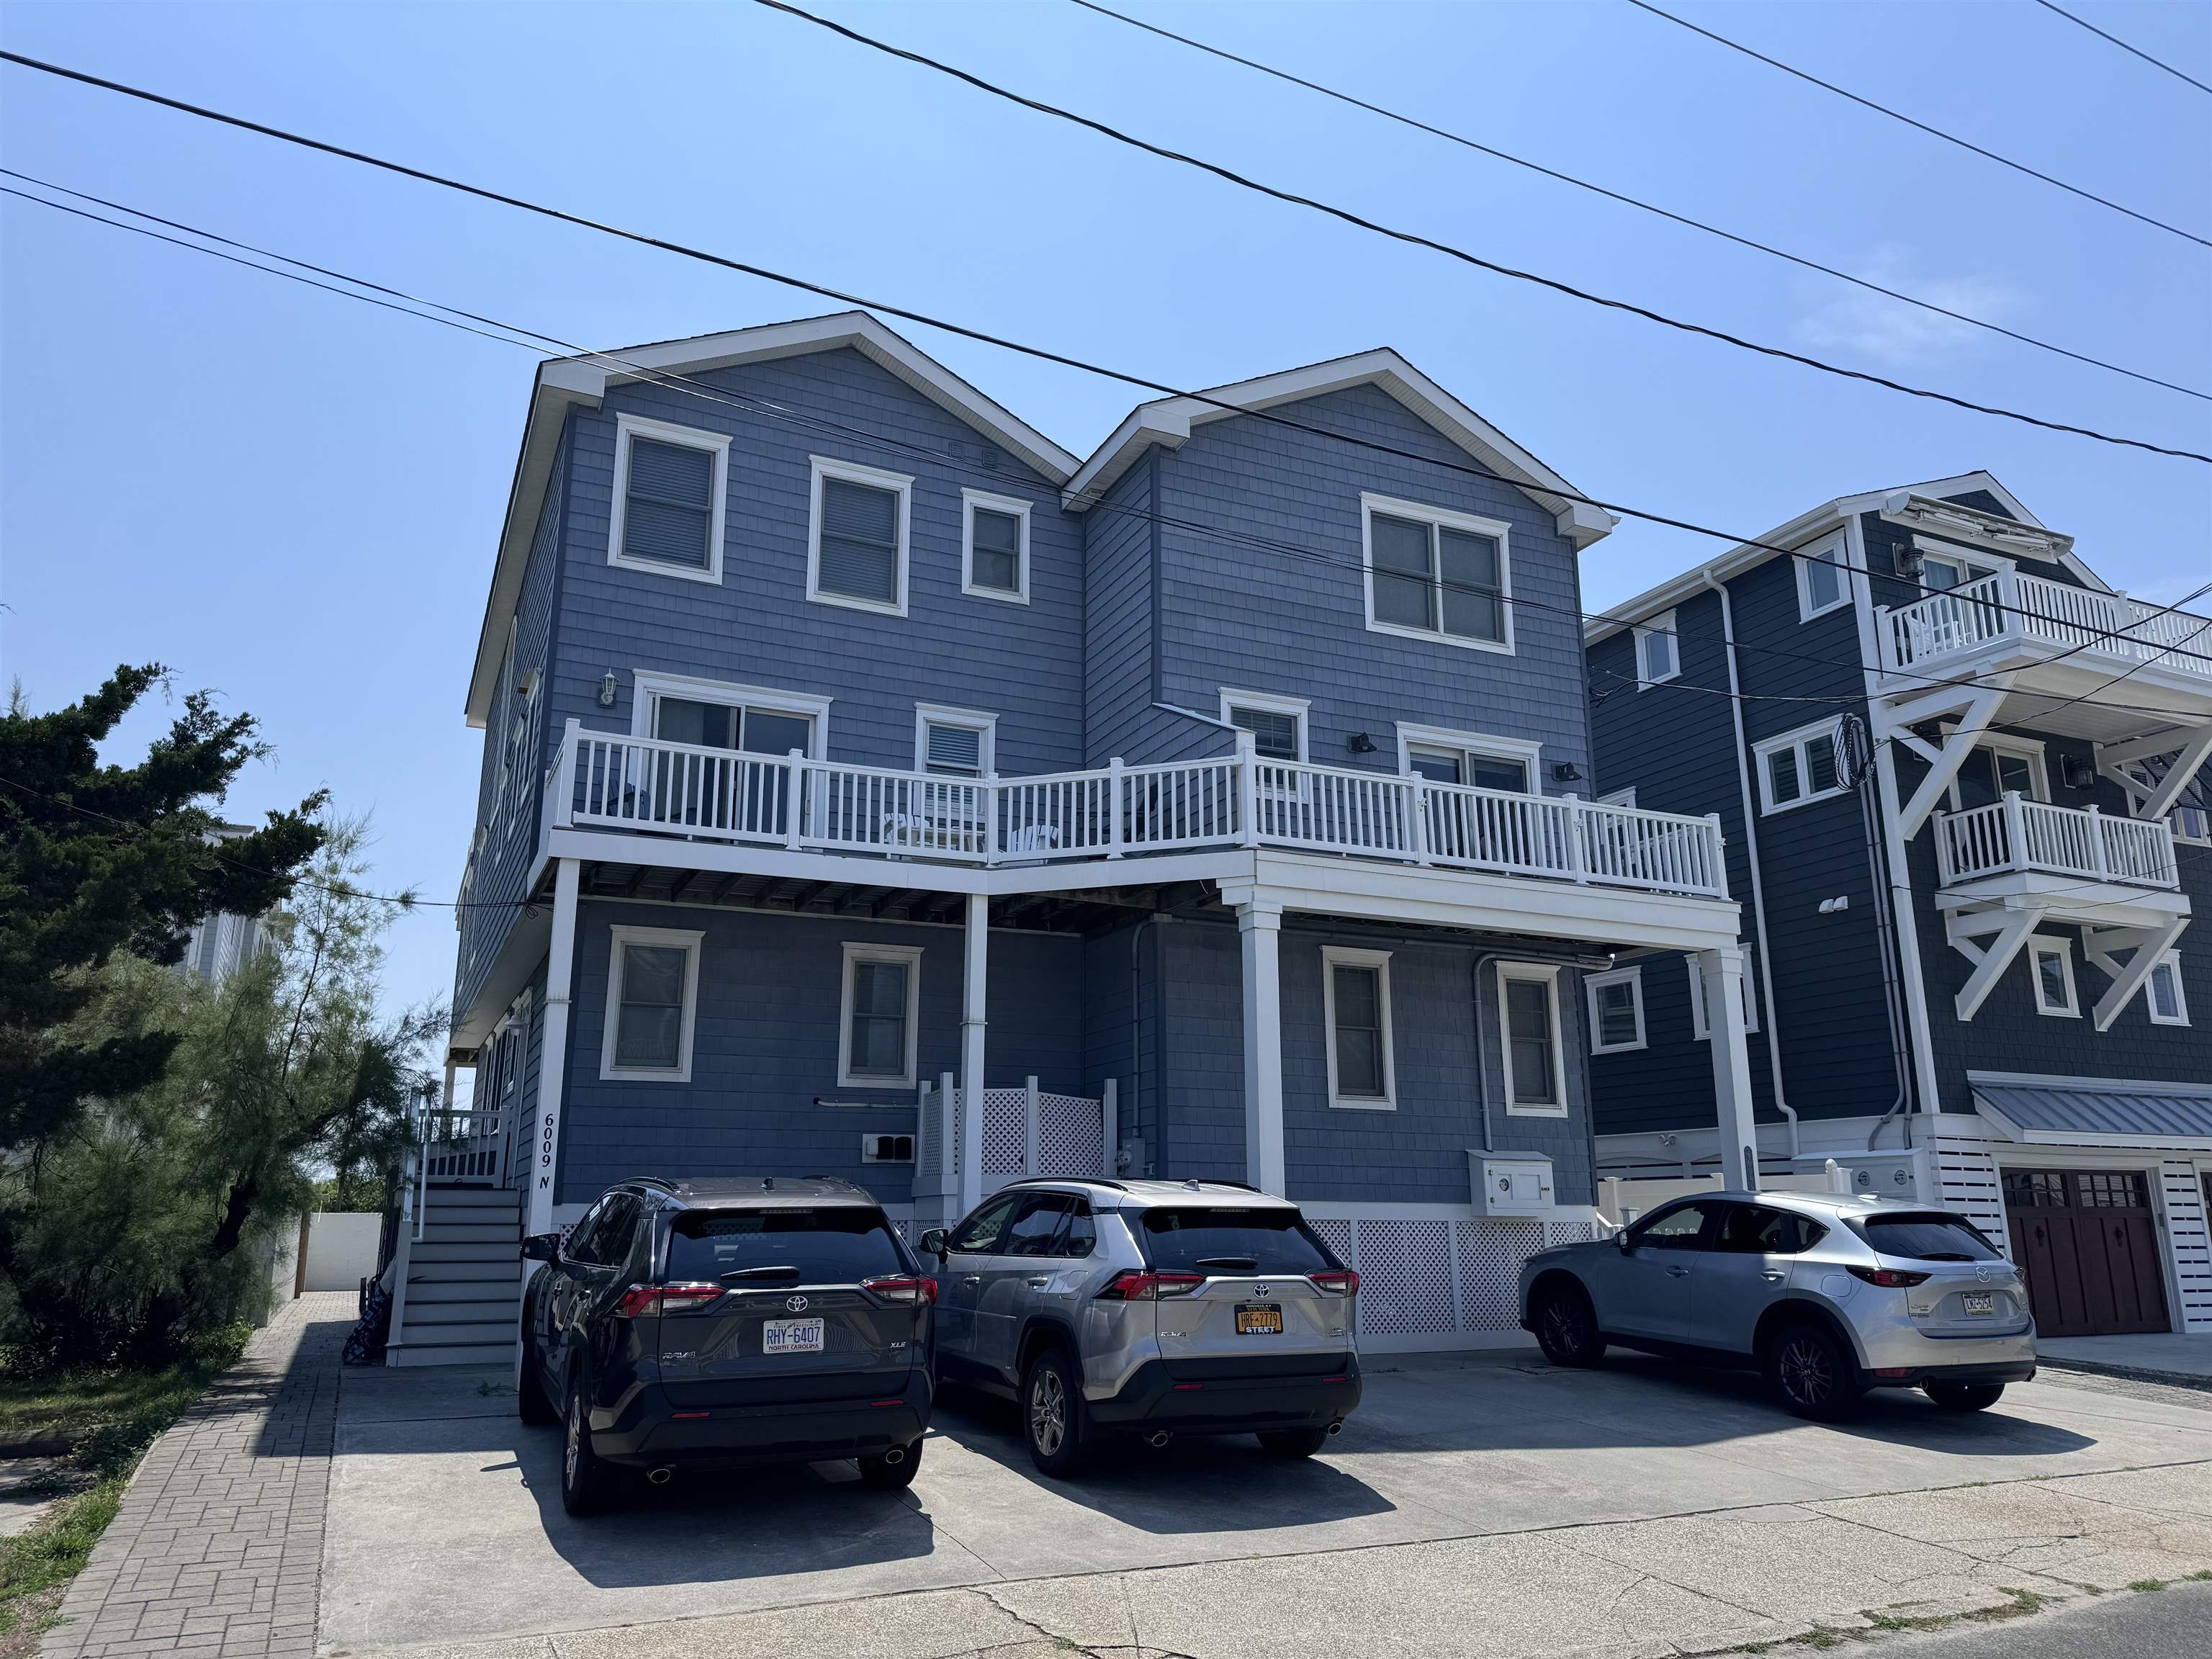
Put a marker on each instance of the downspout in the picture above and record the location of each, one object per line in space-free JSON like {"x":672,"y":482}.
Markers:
{"x":1751,"y":849}
{"x":1892,"y":990}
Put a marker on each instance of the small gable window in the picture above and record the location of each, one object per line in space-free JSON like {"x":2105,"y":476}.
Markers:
{"x":1437,"y":574}
{"x":997,"y":547}
{"x":669,"y":485}
{"x":1658,"y":654}
{"x":1822,"y":581}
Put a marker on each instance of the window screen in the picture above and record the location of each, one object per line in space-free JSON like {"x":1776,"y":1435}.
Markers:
{"x":995,"y":561}
{"x":668,"y":506}
{"x":1358,"y":995}
{"x":649,"y":1023}
{"x":859,"y":542}
{"x":878,"y":1038}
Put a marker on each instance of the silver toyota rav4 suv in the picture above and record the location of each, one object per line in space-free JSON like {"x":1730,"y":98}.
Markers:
{"x":1152,"y":1308}
{"x":1828,"y":1296}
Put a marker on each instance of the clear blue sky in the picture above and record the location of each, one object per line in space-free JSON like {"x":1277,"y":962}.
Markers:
{"x":293,"y":498}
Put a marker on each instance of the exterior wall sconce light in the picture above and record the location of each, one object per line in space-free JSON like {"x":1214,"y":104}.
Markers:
{"x":1566,"y":772}
{"x":608,"y":686}
{"x":1361,"y":744}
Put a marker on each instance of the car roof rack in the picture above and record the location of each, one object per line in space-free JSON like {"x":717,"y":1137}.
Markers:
{"x":662,"y":1181}
{"x":1088,"y":1181}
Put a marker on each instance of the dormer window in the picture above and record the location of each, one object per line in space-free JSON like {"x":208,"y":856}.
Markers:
{"x":1437,"y":574}
{"x":670,"y":482}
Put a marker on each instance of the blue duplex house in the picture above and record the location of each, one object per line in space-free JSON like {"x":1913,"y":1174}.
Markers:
{"x":873,"y":788}
{"x":1964,"y":790}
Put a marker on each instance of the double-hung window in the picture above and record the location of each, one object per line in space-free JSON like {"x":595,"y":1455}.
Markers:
{"x":1356,"y":1018}
{"x":1658,"y":653}
{"x":1799,"y":767}
{"x":1529,"y":1019}
{"x":1278,"y":725}
{"x":857,"y":544}
{"x":653,"y":995}
{"x":2162,"y":992}
{"x":2052,"y":962}
{"x":1616,"y":1010}
{"x":1437,"y":574}
{"x":879,"y":1017}
{"x":996,"y":547}
{"x":670,"y":482}
{"x":1823,"y":579}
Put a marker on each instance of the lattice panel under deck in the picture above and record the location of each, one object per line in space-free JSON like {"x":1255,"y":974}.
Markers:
{"x":1404,"y":1277}
{"x":1071,"y":1133}
{"x":1490,"y":1257}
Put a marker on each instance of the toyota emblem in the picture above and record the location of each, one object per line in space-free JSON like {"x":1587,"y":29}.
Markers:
{"x":1258,"y":1289}
{"x":795,"y":1304}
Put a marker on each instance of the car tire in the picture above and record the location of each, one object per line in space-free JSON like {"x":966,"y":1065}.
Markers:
{"x":881,"y":1475}
{"x":1566,"y":1328}
{"x":1293,"y":1443}
{"x":587,"y":1480}
{"x":1812,"y":1374}
{"x":1965,"y":1396}
{"x":1052,"y":1418}
{"x":536,"y":1409}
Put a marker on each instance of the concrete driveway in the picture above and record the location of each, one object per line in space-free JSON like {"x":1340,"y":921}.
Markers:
{"x":446,"y":1528}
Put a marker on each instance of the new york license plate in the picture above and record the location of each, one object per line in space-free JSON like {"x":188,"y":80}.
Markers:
{"x":791,"y":1336}
{"x":1979,"y":1301}
{"x":1259,"y":1319}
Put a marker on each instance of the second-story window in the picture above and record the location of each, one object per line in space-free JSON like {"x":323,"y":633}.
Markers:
{"x":1658,"y":653}
{"x":1437,"y":574}
{"x":1278,"y":725}
{"x":1798,"y":767}
{"x":669,"y":485}
{"x":857,"y":552}
{"x":997,"y":547}
{"x":953,"y":743}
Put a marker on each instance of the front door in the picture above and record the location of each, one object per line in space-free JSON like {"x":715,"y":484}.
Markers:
{"x":2086,"y":1243}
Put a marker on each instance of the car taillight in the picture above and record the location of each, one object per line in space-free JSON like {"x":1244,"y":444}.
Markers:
{"x":1134,"y":1286}
{"x":643,"y":1301}
{"x":900,"y":1288}
{"x":1890,"y":1279}
{"x":1342,"y":1282}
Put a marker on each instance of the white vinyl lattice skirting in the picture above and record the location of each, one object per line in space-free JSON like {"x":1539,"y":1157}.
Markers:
{"x":1425,"y":1281}
{"x":2189,"y":1231}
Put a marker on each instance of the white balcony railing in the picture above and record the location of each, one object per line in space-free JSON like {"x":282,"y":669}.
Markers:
{"x":607,"y":782}
{"x":2015,"y":834}
{"x":2008,"y":606}
{"x":453,"y":1144}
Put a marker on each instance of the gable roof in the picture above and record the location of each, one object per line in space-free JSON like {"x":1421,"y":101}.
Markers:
{"x":1170,"y":421}
{"x":564,"y":382}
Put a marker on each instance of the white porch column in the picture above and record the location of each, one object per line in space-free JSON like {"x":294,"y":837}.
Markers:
{"x":1722,"y":972}
{"x":1260,"y":930}
{"x":542,"y":1150}
{"x":977,"y":942}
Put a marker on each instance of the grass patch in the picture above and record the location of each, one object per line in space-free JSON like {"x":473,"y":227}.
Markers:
{"x":2018,"y":1604}
{"x":36,"y":1565}
{"x":2148,"y":1585}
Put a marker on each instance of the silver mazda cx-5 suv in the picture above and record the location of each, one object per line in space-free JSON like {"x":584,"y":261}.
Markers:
{"x":1828,"y":1296}
{"x":1151,"y":1307}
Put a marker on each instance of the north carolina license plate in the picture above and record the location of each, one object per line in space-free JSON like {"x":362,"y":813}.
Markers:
{"x":1979,"y":1301}
{"x":1259,"y":1319}
{"x":791,"y":1336}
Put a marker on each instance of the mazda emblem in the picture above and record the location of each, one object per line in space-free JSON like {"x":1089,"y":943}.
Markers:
{"x":795,"y":1304}
{"x":1984,"y":1276}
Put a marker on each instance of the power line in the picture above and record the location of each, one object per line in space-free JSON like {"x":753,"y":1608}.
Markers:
{"x":1492,"y":151}
{"x":2155,"y":63}
{"x":1934,"y":132}
{"x":752,"y":404}
{"x":1415,"y":239}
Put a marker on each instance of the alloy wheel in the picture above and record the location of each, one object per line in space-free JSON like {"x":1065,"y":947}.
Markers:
{"x":1563,"y":1325}
{"x":572,"y":1445}
{"x":1806,"y":1376}
{"x":1048,"y":1411}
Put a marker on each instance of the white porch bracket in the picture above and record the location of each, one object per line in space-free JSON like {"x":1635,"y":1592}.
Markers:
{"x":1976,"y":706}
{"x":2184,"y":750}
{"x":2148,"y":944}
{"x":2011,"y":928}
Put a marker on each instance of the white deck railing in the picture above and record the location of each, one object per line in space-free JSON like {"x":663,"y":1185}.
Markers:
{"x":455,"y":1143}
{"x":607,"y":782}
{"x":2008,"y":606}
{"x":2015,"y":834}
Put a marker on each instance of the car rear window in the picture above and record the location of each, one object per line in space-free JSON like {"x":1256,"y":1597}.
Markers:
{"x":1206,"y":1240}
{"x":834,"y":1246}
{"x":1928,"y":1238}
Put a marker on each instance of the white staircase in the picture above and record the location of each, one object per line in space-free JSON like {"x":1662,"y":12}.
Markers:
{"x":460,"y":1283}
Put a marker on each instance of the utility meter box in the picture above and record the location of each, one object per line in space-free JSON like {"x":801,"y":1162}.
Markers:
{"x":1510,"y":1184}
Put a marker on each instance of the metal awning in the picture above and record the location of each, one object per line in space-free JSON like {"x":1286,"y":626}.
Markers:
{"x":2098,"y":1113}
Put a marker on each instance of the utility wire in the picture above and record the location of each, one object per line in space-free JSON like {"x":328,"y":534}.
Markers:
{"x":1415,"y":239}
{"x":752,"y":404}
{"x":2155,"y":63}
{"x":1933,"y":132}
{"x":1496,"y":154}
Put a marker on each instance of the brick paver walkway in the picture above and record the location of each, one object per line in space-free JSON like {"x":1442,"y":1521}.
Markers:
{"x":217,"y":1550}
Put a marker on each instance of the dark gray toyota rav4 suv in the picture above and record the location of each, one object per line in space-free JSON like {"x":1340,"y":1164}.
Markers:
{"x":710,"y":1323}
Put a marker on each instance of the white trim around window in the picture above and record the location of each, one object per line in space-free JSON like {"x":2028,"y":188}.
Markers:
{"x":1333,"y":958}
{"x":1548,"y":975}
{"x":1799,"y":744}
{"x":2168,"y":972}
{"x":910,"y":957}
{"x":647,"y":688}
{"x":1594,"y":988}
{"x":627,"y":427}
{"x":1617,"y":798}
{"x":875,"y":478}
{"x":1496,"y":529}
{"x":1014,"y":507}
{"x":983,"y":724}
{"x":1835,"y":553}
{"x":1491,"y":747}
{"x":1654,"y":640}
{"x":1267,"y":703}
{"x":2002,"y":743}
{"x":620,"y":938}
{"x":2042,"y":948}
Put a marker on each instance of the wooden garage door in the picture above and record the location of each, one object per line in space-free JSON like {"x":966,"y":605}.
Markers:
{"x":2086,"y":1244}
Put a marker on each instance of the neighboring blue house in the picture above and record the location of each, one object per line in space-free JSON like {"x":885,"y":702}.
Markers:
{"x":1209,"y":807}
{"x":1964,"y":791}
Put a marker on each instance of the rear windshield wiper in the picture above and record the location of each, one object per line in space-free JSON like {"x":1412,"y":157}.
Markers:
{"x":785,"y":1271}
{"x":1946,"y":1255}
{"x":1245,"y":1263}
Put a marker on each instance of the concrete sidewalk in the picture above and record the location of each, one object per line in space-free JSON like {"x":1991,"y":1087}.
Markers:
{"x":2183,"y":1358}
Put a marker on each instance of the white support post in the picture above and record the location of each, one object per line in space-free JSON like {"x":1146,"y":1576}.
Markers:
{"x":1114,"y":807}
{"x":2015,"y":831}
{"x":948,"y":1139}
{"x":1260,"y":931}
{"x":564,"y":788}
{"x":1417,"y":814}
{"x":1248,"y":789}
{"x":542,"y":1158}
{"x":976,"y":956}
{"x":794,"y":796}
{"x":1030,"y":1135}
{"x":988,"y":790}
{"x":1109,"y":1127}
{"x":2099,"y":860}
{"x":1574,"y":839}
{"x":1722,"y":972}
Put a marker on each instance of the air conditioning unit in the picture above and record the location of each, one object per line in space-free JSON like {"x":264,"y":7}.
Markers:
{"x":886,"y":1149}
{"x":1510,"y":1184}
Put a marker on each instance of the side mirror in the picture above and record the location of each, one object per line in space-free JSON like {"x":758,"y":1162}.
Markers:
{"x":542,"y":1247}
{"x":1623,"y":1243}
{"x":933,"y":1241}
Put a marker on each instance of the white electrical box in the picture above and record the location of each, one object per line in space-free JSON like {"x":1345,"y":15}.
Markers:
{"x":1510,"y":1184}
